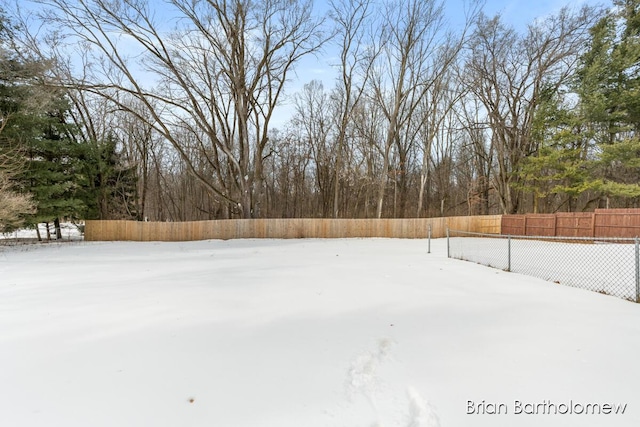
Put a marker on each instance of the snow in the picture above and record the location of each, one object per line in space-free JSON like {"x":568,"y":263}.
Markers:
{"x":70,"y":231}
{"x":335,"y":332}
{"x":605,"y":266}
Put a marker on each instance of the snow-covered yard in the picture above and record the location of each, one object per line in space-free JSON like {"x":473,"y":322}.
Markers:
{"x":303,"y":333}
{"x":69,"y":231}
{"x":605,"y":266}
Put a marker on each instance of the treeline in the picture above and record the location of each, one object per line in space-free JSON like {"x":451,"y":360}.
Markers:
{"x":123,"y":109}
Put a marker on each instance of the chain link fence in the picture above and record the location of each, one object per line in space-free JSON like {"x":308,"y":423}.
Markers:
{"x":609,"y":266}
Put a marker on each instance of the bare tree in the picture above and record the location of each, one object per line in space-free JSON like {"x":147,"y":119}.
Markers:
{"x":368,"y":129}
{"x":209,"y":86}
{"x":417,"y":49}
{"x":13,"y":206}
{"x":289,"y":180}
{"x":476,"y":152}
{"x":357,"y":55}
{"x":434,"y":119}
{"x":507,"y":72}
{"x":312,"y":118}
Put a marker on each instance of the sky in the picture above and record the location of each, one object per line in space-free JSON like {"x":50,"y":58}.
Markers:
{"x":518,"y":13}
{"x":522,"y":12}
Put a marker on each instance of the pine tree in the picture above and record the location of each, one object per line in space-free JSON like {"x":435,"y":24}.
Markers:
{"x":52,"y":166}
{"x":593,"y":144}
{"x":608,"y":83}
{"x":109,"y":185}
{"x":562,"y":164}
{"x":15,"y":98}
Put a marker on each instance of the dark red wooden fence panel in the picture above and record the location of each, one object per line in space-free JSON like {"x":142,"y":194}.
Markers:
{"x":601,"y":223}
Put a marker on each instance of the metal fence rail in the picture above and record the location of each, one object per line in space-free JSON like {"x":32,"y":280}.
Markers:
{"x":607,"y":265}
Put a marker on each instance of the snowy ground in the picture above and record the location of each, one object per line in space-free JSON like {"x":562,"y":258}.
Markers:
{"x":605,"y":266}
{"x":354,"y":332}
{"x":69,"y":231}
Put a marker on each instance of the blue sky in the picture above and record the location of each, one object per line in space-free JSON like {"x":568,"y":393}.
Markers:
{"x":518,"y":13}
{"x":521,"y":12}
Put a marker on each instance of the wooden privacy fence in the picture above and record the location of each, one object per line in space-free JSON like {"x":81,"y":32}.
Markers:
{"x":290,"y":228}
{"x":601,"y":223}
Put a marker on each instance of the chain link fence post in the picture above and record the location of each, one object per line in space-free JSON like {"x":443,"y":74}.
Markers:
{"x":609,"y":266}
{"x":448,"y":246}
{"x":509,"y":252}
{"x":637,"y":270}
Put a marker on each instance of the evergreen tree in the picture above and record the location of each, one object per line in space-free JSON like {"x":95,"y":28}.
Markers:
{"x":109,"y":185}
{"x":15,"y":98}
{"x":52,"y":167}
{"x":44,"y":155}
{"x":36,"y":143}
{"x":593,"y":144}
{"x":608,"y":83}
{"x":562,"y":164}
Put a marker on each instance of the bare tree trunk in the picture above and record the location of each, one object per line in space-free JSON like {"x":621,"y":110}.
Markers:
{"x":352,"y":20}
{"x":417,"y":52}
{"x":384,"y":176}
